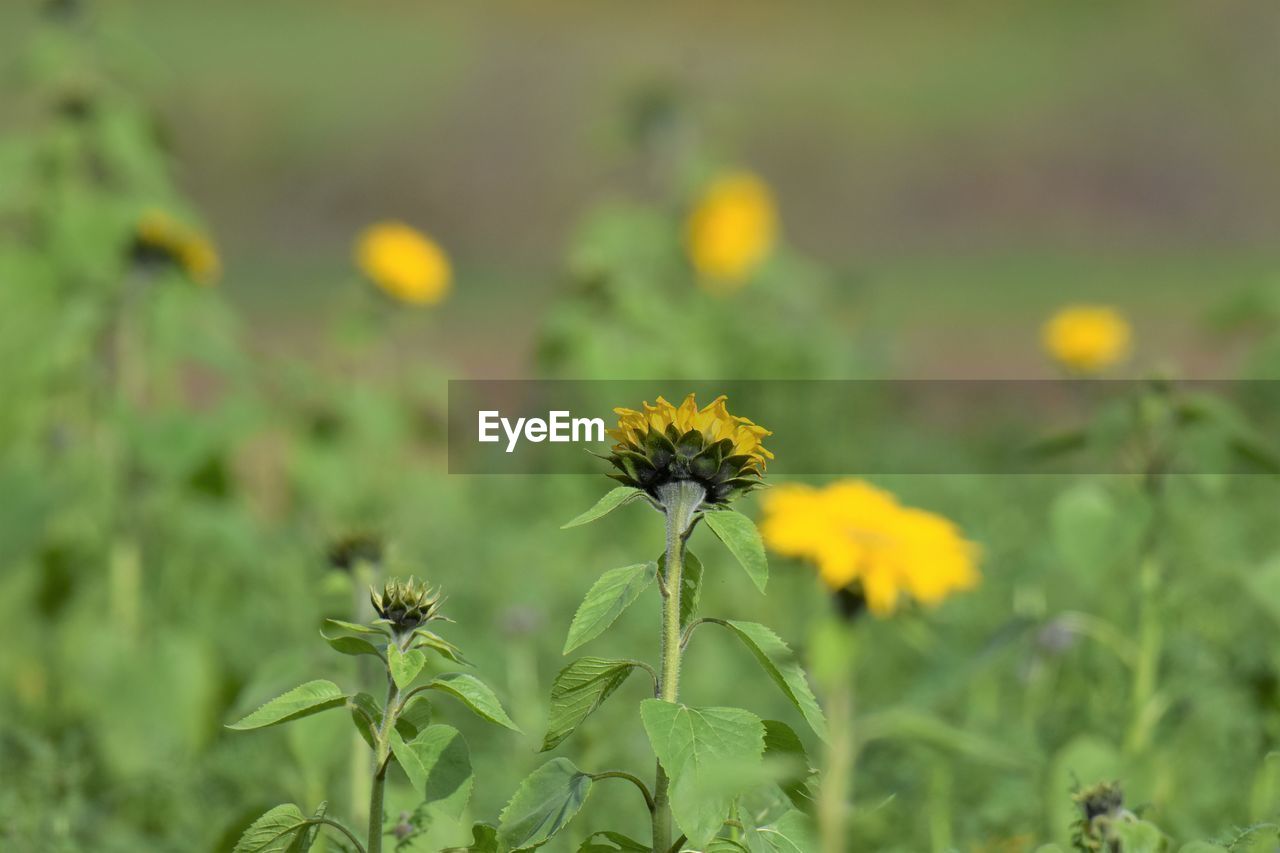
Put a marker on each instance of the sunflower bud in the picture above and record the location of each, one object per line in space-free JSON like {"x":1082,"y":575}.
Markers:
{"x":407,"y":605}
{"x":160,"y":239}
{"x":354,"y":549}
{"x":1100,"y":805}
{"x":666,"y":444}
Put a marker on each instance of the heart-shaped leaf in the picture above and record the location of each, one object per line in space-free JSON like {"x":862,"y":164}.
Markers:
{"x":703,"y":750}
{"x":404,"y":666}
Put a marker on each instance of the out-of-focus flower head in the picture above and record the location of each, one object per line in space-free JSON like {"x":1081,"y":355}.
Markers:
{"x":862,"y":540}
{"x":158,"y":236}
{"x":1087,"y":339}
{"x":731,"y":231}
{"x":720,"y":451}
{"x":404,"y":263}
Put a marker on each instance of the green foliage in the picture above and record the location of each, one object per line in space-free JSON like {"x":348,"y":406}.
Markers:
{"x":616,"y":590}
{"x":740,"y":536}
{"x":707,"y":752}
{"x":475,"y":694}
{"x":614,"y":498}
{"x":303,"y":700}
{"x":543,"y":804}
{"x":579,"y":689}
{"x":780,"y":663}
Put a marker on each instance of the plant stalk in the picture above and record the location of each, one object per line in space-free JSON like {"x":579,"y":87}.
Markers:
{"x":681,"y":500}
{"x":382,"y":761}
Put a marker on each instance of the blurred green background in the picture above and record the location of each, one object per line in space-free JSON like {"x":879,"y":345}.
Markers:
{"x":177,"y":460}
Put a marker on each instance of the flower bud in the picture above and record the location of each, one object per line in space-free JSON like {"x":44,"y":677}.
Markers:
{"x":407,"y":605}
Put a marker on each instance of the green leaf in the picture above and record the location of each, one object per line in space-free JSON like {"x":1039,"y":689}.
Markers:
{"x":303,"y":700}
{"x":740,"y":536}
{"x":1138,"y":836}
{"x":352,"y":646}
{"x":543,"y":804}
{"x":612,"y":842}
{"x":780,"y":663}
{"x":366,"y":714}
{"x":484,"y":839}
{"x":404,"y":666}
{"x":303,"y":841}
{"x":415,"y":717}
{"x":274,"y":832}
{"x":690,"y":588}
{"x":607,"y":504}
{"x":579,"y":689}
{"x":782,"y":743}
{"x":354,"y":628}
{"x":608,"y":597}
{"x":1201,"y":847}
{"x":424,"y":639}
{"x":791,"y":833}
{"x":702,"y":750}
{"x":475,"y":694}
{"x":438,"y":764}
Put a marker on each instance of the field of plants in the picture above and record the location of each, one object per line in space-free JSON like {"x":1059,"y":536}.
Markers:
{"x":937,"y":506}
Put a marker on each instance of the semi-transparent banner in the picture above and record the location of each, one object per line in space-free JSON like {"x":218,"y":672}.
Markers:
{"x":892,"y":426}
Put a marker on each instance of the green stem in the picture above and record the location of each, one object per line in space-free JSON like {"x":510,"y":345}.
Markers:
{"x":382,"y":761}
{"x":680,"y":501}
{"x":375,"y":811}
{"x":634,"y":780}
{"x":1150,"y":640}
{"x":833,"y":796}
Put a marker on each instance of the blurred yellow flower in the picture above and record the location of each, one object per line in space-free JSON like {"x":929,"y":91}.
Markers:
{"x":721,"y":451}
{"x":859,"y":535}
{"x":731,"y":231}
{"x":159,"y":234}
{"x":404,"y":263}
{"x":1087,"y":338}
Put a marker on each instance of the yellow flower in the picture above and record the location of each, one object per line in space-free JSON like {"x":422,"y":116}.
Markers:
{"x":1087,"y":338}
{"x":664,"y":443}
{"x":859,"y":536}
{"x":731,"y":231}
{"x":159,"y":235}
{"x":404,"y":263}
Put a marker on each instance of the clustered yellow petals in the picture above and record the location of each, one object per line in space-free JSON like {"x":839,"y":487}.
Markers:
{"x":1087,"y":338}
{"x":159,"y":232}
{"x":713,"y":420}
{"x":859,"y":535}
{"x":404,"y":263}
{"x":731,"y":231}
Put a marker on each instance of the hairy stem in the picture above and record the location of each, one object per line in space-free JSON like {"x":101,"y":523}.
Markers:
{"x":681,"y":501}
{"x":382,"y":760}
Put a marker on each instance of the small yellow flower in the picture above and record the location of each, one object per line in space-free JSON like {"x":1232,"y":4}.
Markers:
{"x":1087,"y":338}
{"x":731,"y":231}
{"x":721,"y":451}
{"x":859,"y":536}
{"x":404,"y":263}
{"x":158,"y":234}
